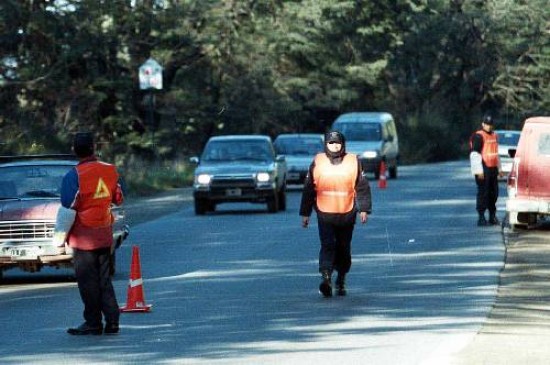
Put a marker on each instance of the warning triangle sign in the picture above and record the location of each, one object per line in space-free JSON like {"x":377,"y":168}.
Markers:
{"x":101,"y":191}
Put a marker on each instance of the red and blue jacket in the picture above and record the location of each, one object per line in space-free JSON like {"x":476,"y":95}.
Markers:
{"x":90,"y":189}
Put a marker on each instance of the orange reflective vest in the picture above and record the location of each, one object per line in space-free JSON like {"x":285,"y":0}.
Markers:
{"x":489,"y":152}
{"x":97,"y":182}
{"x":335,"y":184}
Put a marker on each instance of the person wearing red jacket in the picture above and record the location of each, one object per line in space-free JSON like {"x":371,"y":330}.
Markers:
{"x":336,"y":186}
{"x":90,"y":189}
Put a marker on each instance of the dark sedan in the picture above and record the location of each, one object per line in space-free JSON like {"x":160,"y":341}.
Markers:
{"x":239,"y":168}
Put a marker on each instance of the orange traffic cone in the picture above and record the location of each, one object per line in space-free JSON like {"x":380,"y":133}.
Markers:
{"x":382,"y":181}
{"x":136,"y":299}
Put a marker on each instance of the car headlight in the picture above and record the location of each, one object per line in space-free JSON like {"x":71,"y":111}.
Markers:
{"x":203,"y":179}
{"x":263,"y":177}
{"x":370,"y":154}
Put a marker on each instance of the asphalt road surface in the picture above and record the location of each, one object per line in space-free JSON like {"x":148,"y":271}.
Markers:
{"x":239,"y":286}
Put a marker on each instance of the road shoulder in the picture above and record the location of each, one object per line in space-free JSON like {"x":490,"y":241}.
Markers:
{"x":518,"y":326}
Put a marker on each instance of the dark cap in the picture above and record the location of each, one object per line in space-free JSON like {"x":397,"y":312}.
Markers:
{"x":488,"y":120}
{"x":83,"y":144}
{"x":334,"y":136}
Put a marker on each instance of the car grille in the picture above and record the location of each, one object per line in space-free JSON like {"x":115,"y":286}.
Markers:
{"x":233,"y":182}
{"x":26,"y":230}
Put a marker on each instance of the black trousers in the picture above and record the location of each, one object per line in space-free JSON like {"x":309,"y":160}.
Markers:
{"x":335,"y":252}
{"x":94,"y":283}
{"x":487,"y":191}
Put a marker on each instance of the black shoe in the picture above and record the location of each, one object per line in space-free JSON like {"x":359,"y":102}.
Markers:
{"x":494,"y":220}
{"x":85,"y":329}
{"x":111,"y":329}
{"x":326,"y":285}
{"x":341,"y":285}
{"x":482,"y":221}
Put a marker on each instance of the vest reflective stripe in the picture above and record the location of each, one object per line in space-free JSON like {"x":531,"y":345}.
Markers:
{"x":97,"y":183}
{"x":335,"y":184}
{"x":489,"y":152}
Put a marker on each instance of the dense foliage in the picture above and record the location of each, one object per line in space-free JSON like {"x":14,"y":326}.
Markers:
{"x":265,"y":66}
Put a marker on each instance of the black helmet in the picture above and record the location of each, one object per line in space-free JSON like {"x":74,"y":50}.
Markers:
{"x":488,"y":120}
{"x":335,"y":136}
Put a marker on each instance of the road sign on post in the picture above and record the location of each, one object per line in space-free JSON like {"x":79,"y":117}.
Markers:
{"x":150,"y":78}
{"x":150,"y":75}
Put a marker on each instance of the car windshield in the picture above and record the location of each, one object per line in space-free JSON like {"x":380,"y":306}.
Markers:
{"x":360,"y":131}
{"x":508,"y":138}
{"x":299,"y":146}
{"x":38,"y":181}
{"x":238,"y":150}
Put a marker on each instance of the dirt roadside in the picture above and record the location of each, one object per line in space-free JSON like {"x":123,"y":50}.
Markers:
{"x":517,"y":330}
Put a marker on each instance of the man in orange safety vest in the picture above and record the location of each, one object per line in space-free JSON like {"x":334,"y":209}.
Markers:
{"x":336,"y":186}
{"x":90,"y":188}
{"x":484,"y":144}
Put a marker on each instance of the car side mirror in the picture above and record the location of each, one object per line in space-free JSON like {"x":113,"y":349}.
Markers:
{"x":280,"y":158}
{"x":389,"y":139}
{"x":512,"y":152}
{"x":194,"y":160}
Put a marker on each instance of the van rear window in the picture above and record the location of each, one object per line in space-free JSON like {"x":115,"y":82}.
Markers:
{"x":360,"y":131}
{"x":544,"y":144}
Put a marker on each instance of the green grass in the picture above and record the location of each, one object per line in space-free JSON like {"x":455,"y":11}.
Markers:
{"x":149,"y":178}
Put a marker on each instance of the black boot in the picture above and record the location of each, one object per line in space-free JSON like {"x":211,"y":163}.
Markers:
{"x":341,"y":284}
{"x":86,"y":329}
{"x":481,"y":220}
{"x":493,"y":219}
{"x":326,"y":285}
{"x":111,"y":328}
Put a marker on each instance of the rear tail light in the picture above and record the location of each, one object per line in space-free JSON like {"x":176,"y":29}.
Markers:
{"x":513,"y":179}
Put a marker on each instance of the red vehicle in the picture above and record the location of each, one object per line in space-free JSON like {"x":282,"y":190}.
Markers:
{"x":529,"y":180}
{"x":29,"y":202}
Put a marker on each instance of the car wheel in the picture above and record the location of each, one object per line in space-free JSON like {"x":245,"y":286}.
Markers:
{"x":527,"y":219}
{"x":282,"y":198}
{"x":273,"y":203}
{"x":393,"y":172}
{"x":212,"y":207}
{"x":201,"y":206}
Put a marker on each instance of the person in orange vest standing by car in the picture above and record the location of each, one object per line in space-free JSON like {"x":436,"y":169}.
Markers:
{"x":336,"y":186}
{"x":486,"y":170}
{"x":90,"y":188}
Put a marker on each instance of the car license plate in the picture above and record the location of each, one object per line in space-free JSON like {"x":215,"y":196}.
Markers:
{"x":293,"y":175}
{"x":23,"y":253}
{"x":18,"y":252}
{"x":233,"y":192}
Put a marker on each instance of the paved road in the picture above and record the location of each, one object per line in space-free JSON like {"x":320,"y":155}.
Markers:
{"x":518,"y":326}
{"x":423,"y":283}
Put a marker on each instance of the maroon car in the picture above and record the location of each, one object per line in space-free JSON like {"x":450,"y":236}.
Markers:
{"x":29,"y":201}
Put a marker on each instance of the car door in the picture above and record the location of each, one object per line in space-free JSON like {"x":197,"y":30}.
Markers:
{"x":538,"y":161}
{"x":280,"y":166}
{"x":389,"y":142}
